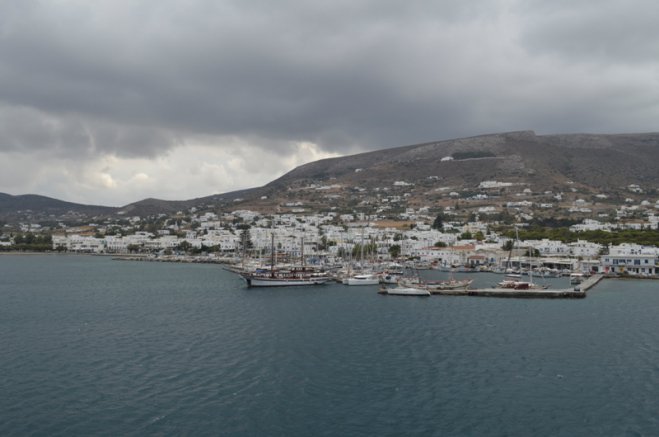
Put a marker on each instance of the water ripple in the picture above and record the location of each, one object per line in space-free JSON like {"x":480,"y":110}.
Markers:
{"x":95,"y":347}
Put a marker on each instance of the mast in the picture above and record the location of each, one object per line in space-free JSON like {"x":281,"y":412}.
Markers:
{"x":272,"y":256}
{"x":302,"y":253}
{"x":242,"y":240}
{"x":510,"y":253}
{"x":361,"y":255}
{"x":531,"y":250}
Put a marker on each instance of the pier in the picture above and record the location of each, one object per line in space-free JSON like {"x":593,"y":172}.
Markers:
{"x":577,"y":292}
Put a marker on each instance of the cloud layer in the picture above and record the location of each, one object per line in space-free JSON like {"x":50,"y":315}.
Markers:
{"x":95,"y":94}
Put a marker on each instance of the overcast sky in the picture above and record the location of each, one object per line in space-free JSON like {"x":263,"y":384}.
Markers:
{"x":112,"y":101}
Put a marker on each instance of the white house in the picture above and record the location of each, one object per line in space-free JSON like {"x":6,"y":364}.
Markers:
{"x":632,"y":259}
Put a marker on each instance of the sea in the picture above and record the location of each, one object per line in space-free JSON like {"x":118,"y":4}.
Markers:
{"x":91,"y":346}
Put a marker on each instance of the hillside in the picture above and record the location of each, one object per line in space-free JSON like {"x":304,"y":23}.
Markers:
{"x":32,"y":206}
{"x":606,"y":162}
{"x":588,"y":164}
{"x":425,"y":174}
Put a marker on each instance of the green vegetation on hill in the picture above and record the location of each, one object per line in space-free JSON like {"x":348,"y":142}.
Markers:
{"x":647,"y":237}
{"x":473,"y":154}
{"x":30,"y":242}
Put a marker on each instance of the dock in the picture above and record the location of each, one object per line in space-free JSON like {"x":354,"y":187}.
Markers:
{"x":578,"y":292}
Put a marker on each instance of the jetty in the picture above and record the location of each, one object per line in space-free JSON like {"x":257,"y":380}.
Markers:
{"x":577,"y":292}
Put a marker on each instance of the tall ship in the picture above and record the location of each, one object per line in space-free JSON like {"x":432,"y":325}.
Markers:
{"x":289,"y":277}
{"x":284,"y":278}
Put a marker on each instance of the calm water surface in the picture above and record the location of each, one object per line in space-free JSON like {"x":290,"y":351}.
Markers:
{"x":91,"y":346}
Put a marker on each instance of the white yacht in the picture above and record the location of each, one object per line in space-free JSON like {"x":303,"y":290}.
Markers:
{"x":406,"y":291}
{"x":363,"y":279}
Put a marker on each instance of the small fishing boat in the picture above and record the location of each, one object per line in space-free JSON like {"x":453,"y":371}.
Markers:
{"x":451,"y":284}
{"x":405,"y":291}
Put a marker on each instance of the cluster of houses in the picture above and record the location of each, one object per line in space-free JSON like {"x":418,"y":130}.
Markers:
{"x":333,"y":236}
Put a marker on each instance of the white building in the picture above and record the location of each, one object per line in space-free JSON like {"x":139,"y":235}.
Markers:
{"x":585,"y":249}
{"x":548,"y":247}
{"x":632,"y":259}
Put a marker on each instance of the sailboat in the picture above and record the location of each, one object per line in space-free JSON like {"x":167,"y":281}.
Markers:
{"x":450,"y":284}
{"x":513,"y":281}
{"x":284,"y":277}
{"x":362,"y":278}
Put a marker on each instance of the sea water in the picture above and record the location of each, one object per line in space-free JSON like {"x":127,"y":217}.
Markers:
{"x":92,"y":346}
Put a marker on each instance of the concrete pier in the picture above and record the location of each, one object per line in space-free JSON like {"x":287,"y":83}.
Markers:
{"x":590,"y":282}
{"x":578,"y":292}
{"x":510,"y":292}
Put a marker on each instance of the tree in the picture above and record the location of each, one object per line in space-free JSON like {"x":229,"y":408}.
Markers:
{"x":136,"y":247}
{"x":532,"y":252}
{"x":440,"y":244}
{"x":246,"y":238}
{"x":369,"y":249}
{"x":439,"y":222}
{"x":466,"y":236}
{"x":479,"y":236}
{"x":394,"y":251}
{"x":184,"y":246}
{"x":508,"y":245}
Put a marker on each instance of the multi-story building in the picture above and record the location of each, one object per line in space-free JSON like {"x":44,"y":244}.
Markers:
{"x":632,"y":259}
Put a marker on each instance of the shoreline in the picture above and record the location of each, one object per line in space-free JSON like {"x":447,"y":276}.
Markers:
{"x":211,"y":260}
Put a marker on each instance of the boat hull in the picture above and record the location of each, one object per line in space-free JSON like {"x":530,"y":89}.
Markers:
{"x":283,"y":282}
{"x":407,"y":291}
{"x":448,"y":285}
{"x":362,"y":280}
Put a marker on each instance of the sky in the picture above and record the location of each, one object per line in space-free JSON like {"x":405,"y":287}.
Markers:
{"x":113,"y":101}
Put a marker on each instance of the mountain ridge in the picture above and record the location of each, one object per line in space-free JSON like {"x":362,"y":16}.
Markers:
{"x":591,"y":162}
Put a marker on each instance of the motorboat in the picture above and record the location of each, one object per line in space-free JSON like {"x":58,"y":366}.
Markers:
{"x":405,"y":291}
{"x":362,"y":279}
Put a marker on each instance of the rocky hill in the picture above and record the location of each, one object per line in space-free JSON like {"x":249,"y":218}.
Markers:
{"x":586,"y":164}
{"x":603,"y":162}
{"x":35,"y":207}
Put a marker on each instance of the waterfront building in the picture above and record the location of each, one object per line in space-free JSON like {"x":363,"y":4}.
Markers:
{"x":631,"y":259}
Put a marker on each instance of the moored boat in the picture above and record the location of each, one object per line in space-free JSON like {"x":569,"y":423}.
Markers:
{"x":577,"y":278}
{"x":274,"y":277}
{"x":452,"y":284}
{"x":520,"y":285}
{"x":258,"y":280}
{"x":405,"y":291}
{"x":363,"y":279}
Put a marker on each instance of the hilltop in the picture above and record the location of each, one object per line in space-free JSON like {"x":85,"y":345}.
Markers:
{"x":588,"y":164}
{"x":506,"y":166}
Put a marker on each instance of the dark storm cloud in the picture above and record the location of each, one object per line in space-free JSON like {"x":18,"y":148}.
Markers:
{"x":132,"y":78}
{"x":607,"y":31}
{"x":24,"y":129}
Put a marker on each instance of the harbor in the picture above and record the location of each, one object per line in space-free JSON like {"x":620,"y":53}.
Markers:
{"x":552,"y":290}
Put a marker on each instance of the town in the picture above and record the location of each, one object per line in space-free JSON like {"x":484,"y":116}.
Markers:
{"x":453,"y":234}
